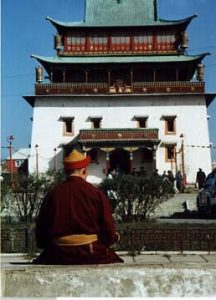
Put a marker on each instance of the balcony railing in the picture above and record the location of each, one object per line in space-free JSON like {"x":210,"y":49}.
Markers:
{"x":135,"y":88}
{"x":118,"y":134}
{"x":118,"y":137}
{"x":168,"y":87}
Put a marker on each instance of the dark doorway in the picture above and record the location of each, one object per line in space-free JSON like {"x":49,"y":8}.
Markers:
{"x":120,"y":161}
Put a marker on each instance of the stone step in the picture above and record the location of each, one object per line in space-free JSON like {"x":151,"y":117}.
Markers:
{"x":148,"y":275}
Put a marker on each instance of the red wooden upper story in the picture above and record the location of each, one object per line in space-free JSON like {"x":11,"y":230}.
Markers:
{"x":131,"y":41}
{"x":119,"y":41}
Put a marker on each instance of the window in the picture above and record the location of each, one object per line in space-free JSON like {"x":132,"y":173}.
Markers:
{"x":141,"y":121}
{"x":96,"y":39}
{"x":98,"y":42}
{"x":120,"y":41}
{"x":170,"y":124}
{"x":166,"y":41}
{"x":68,"y":125}
{"x":76,"y":39}
{"x":95,"y":122}
{"x":18,"y":163}
{"x":143,"y":41}
{"x":145,"y":38}
{"x":169,"y":153}
{"x":75,"y":42}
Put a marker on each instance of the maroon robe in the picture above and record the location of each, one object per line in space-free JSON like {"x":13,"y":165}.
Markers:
{"x":76,"y":207}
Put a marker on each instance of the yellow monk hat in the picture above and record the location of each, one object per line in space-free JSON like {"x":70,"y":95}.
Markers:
{"x":76,"y":160}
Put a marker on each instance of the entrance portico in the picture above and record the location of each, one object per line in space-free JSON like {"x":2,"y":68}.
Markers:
{"x":119,"y":149}
{"x":120,"y":161}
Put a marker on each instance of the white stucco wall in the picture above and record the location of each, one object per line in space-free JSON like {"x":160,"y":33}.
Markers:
{"x":117,"y":112}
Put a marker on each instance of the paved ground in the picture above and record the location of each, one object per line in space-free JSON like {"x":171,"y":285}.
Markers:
{"x":172,"y":211}
{"x":174,"y":205}
{"x":20,"y":261}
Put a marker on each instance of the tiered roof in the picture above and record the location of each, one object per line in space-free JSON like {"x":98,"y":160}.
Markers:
{"x":120,"y":13}
{"x":60,"y":25}
{"x":47,"y":62}
{"x":118,"y":59}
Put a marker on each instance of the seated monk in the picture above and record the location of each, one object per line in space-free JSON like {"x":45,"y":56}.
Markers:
{"x":75,"y":224}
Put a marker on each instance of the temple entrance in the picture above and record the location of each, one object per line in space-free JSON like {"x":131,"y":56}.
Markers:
{"x":120,"y":161}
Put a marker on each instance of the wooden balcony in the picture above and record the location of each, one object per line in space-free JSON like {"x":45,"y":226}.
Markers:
{"x":118,"y":134}
{"x":118,"y":137}
{"x":168,"y":87}
{"x":71,"y":88}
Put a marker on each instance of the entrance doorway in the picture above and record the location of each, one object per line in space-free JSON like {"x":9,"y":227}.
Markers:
{"x":120,"y":161}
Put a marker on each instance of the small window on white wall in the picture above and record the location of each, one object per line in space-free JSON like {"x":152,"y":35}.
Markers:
{"x":169,"y":125}
{"x":95,"y":122}
{"x":142,"y":121}
{"x":170,"y":153}
{"x":68,"y":126}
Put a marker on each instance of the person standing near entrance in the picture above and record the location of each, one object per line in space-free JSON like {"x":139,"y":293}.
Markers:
{"x":75,"y":224}
{"x":200,"y":178}
{"x":111,"y":174}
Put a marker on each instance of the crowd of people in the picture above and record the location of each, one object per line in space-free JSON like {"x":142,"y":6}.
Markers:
{"x":176,"y":181}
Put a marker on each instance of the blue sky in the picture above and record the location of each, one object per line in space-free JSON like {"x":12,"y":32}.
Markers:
{"x":25,"y":31}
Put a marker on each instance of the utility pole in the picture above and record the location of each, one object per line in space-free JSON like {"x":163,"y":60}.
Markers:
{"x":55,"y":161}
{"x":37,"y":169}
{"x":183,"y":159}
{"x":10,"y":138}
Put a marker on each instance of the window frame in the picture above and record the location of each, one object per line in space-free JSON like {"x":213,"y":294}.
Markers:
{"x":166,"y":40}
{"x":93,"y":120}
{"x":143,"y":41}
{"x":145,"y":120}
{"x":65,"y":120}
{"x":139,"y":119}
{"x":75,"y":41}
{"x":168,"y":119}
{"x":172,"y":148}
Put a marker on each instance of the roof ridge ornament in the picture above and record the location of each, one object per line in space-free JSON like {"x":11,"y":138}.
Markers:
{"x":119,"y":1}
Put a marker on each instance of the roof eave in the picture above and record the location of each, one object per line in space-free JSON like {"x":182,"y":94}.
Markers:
{"x":157,"y":22}
{"x":183,"y":22}
{"x":48,"y":61}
